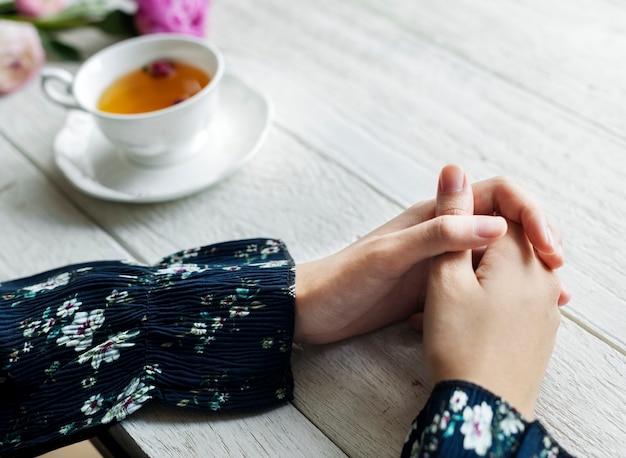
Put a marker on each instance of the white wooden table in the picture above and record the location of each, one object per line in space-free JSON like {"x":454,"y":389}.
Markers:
{"x":371,"y":99}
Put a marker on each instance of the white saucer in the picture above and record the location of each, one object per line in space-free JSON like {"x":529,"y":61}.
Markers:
{"x":95,"y":167}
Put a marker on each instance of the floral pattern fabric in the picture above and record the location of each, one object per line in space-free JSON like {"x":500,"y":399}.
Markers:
{"x":461,"y":419}
{"x":87,"y":345}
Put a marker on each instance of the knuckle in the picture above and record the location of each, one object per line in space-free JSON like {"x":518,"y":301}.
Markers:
{"x":507,"y":183}
{"x":453,"y":208}
{"x":445,"y":229}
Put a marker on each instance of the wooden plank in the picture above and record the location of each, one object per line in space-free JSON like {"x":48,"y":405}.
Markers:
{"x":570,"y":53}
{"x":365,"y":392}
{"x":36,"y":220}
{"x":280,"y":432}
{"x":582,"y":400}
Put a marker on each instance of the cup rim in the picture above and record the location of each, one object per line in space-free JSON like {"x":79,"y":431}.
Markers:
{"x":171,"y":37}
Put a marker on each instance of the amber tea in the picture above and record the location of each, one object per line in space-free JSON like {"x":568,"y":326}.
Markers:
{"x":158,"y":85}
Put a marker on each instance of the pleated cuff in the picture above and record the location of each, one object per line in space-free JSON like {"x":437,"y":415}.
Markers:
{"x":220,"y":326}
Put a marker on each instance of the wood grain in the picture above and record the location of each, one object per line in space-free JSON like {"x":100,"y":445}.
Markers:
{"x":36,"y":219}
{"x":281,"y":432}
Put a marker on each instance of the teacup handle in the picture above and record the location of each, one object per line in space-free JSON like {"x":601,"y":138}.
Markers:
{"x":57,"y":85}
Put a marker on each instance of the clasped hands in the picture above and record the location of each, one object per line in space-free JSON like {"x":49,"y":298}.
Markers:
{"x":474,"y":269}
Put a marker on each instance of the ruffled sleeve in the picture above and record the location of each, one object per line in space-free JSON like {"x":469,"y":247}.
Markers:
{"x":461,"y":419}
{"x":85,"y":346}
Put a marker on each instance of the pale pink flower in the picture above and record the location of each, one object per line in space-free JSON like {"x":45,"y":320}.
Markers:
{"x":38,"y":8}
{"x":178,"y":16}
{"x":21,"y":54}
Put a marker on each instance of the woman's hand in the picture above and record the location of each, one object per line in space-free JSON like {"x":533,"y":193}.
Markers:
{"x":494,"y":323}
{"x":381,"y":278}
{"x":495,"y":326}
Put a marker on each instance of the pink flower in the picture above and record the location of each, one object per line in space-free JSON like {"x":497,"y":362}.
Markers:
{"x":21,"y":54}
{"x":179,"y":16}
{"x":38,"y":8}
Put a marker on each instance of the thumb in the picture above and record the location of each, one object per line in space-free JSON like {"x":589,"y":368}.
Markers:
{"x":454,"y":197}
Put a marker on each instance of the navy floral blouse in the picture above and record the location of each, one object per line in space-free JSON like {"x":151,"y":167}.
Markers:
{"x":83,"y":347}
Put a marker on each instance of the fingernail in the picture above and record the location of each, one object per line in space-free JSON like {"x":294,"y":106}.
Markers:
{"x":489,"y":226}
{"x":452,"y":180}
{"x":550,"y":238}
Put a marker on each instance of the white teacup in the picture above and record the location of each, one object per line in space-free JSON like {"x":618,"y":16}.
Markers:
{"x":154,"y":138}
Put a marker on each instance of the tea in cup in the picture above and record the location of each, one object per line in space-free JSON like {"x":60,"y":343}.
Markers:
{"x":151,"y":96}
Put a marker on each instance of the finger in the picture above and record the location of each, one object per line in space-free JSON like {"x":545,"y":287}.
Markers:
{"x":564,"y":297}
{"x":505,"y":197}
{"x":556,"y":259}
{"x":510,"y":254}
{"x":417,"y":213}
{"x":444,"y":234}
{"x":454,"y":195}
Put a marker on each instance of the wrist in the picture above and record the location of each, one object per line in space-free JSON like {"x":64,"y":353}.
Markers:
{"x":303,"y":327}
{"x":315,"y":319}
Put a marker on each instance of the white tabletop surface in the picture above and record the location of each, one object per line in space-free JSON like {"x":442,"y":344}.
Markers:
{"x":370,"y":100}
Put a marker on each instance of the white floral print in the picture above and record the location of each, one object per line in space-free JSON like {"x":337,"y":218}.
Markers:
{"x":68,"y":307}
{"x":228,"y":300}
{"x":267,"y":342}
{"x":52,"y":283}
{"x":117,"y":297}
{"x":270,"y":250}
{"x":30,"y":328}
{"x":88,"y":382}
{"x":458,"y":400}
{"x":184,"y":270}
{"x":199,"y":329}
{"x":108,"y":351}
{"x":273,"y":264}
{"x":550,"y":450}
{"x":477,"y":428}
{"x":445,"y":420}
{"x":509,"y":424}
{"x":231,"y":268}
{"x":241,"y":311}
{"x":79,"y":333}
{"x":48,"y":325}
{"x":131,"y":399}
{"x":92,"y":405}
{"x":218,"y":323}
{"x":151,"y":369}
